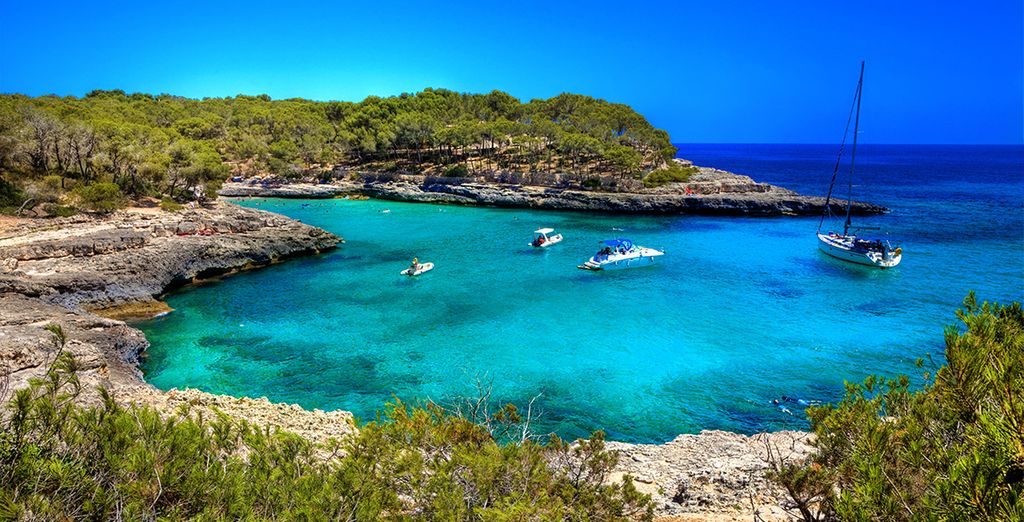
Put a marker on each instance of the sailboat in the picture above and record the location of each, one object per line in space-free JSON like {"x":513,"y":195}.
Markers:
{"x":849,"y":246}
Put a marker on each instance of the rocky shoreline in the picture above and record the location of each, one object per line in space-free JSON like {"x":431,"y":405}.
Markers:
{"x":708,"y":192}
{"x":79,"y":272}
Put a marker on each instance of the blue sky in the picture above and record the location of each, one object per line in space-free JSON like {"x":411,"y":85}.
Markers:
{"x":724,"y":71}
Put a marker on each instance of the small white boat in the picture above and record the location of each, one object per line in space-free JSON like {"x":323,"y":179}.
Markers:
{"x":621,"y":253}
{"x":543,"y":239}
{"x":870,"y":252}
{"x":420,"y":268}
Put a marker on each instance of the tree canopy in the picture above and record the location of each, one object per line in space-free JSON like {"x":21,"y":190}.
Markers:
{"x":174,"y":146}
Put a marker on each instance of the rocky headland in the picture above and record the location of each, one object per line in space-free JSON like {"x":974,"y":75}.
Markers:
{"x":83,"y":273}
{"x":708,"y":192}
{"x":87,"y":273}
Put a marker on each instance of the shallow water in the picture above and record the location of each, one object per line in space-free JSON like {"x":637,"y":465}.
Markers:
{"x":739,"y":311}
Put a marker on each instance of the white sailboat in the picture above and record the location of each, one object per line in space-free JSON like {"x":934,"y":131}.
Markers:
{"x":846,"y":245}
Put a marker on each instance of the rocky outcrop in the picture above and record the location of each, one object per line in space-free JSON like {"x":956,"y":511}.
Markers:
{"x":715,"y":474}
{"x":62,"y":271}
{"x":131,"y":258}
{"x":709,"y":192}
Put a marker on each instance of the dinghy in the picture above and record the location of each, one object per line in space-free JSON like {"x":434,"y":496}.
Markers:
{"x":420,"y":269}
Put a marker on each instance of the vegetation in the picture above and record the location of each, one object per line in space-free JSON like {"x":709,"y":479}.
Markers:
{"x":61,"y":461}
{"x":952,"y":450}
{"x":180,"y":148}
{"x":100,"y":196}
{"x":673,"y":173}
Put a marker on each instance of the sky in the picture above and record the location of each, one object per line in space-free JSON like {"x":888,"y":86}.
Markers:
{"x":707,"y":71}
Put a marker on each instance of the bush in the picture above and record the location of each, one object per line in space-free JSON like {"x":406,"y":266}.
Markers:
{"x":673,"y":173}
{"x":61,"y":461}
{"x":170,"y":205}
{"x":11,"y":196}
{"x":101,"y":197}
{"x":56,"y":210}
{"x":951,"y":450}
{"x":592,"y":183}
{"x":456,"y":171}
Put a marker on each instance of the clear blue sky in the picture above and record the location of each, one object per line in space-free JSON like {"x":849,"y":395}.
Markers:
{"x":707,"y":71}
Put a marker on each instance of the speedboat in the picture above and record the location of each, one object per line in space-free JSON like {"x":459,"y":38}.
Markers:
{"x":871,"y":252}
{"x":620,"y":253}
{"x":543,"y":239}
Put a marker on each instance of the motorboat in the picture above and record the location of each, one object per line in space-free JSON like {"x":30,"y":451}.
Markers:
{"x":848,"y":246}
{"x":545,"y":238}
{"x":620,"y":253}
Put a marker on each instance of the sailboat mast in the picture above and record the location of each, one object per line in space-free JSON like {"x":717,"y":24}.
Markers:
{"x":853,"y":154}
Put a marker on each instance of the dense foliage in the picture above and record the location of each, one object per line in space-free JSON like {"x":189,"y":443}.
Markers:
{"x":952,"y":450}
{"x":673,"y":173}
{"x":181,"y":148}
{"x":60,"y":461}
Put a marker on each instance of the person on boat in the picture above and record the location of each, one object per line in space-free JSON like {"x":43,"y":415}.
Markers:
{"x":540,"y":240}
{"x":415,"y":265}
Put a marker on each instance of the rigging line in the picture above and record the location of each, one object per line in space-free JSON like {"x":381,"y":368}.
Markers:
{"x":853,"y":153}
{"x":842,"y":146}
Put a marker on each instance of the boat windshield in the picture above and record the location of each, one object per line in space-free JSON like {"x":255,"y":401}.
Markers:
{"x":616,"y":243}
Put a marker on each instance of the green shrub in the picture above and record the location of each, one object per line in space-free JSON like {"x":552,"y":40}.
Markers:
{"x":170,"y":205}
{"x":673,"y":173}
{"x":59,"y":460}
{"x":57,"y":210}
{"x":459,"y":170}
{"x":101,"y":197}
{"x":592,"y":183}
{"x":11,"y":196}
{"x":55,"y":184}
{"x":951,"y":450}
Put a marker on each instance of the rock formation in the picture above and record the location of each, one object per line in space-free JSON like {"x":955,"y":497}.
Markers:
{"x":63,"y":270}
{"x":711,"y":192}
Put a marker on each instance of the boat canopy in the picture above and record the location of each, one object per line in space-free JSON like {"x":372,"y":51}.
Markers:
{"x":615,"y":243}
{"x":543,"y":231}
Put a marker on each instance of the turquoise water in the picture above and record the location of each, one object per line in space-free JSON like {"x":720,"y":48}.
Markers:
{"x":739,"y":311}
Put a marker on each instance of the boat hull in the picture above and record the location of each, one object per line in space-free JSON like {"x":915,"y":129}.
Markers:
{"x":645,"y":257}
{"x":551,"y":241}
{"x":424,"y":268}
{"x":839,"y":251}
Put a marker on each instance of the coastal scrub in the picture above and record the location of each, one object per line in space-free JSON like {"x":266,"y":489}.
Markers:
{"x":952,"y":449}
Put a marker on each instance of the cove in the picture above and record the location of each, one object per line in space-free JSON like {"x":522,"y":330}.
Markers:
{"x":738,"y":312}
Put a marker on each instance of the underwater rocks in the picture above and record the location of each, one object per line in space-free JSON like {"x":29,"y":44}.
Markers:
{"x":708,"y":192}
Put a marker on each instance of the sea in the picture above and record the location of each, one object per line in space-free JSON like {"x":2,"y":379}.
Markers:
{"x":739,"y":313}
